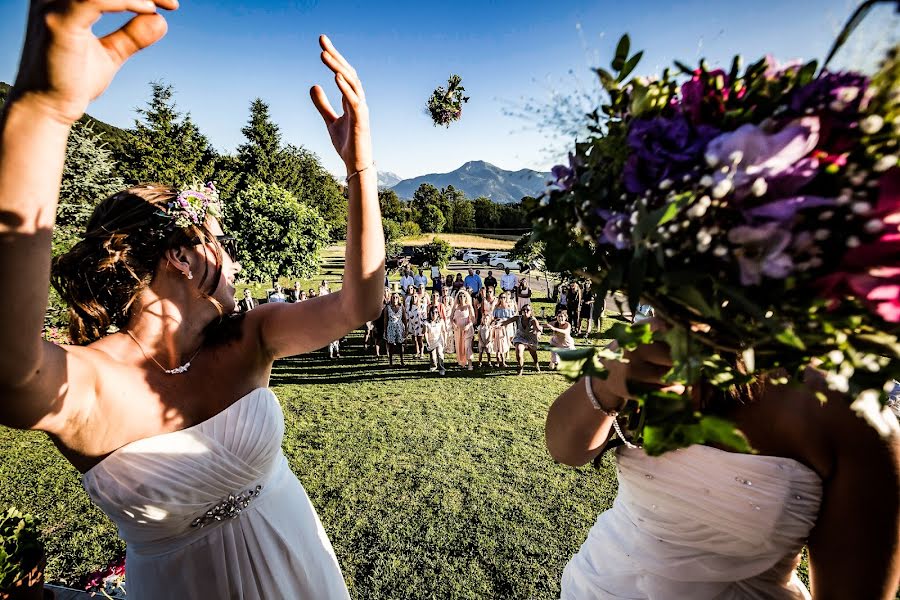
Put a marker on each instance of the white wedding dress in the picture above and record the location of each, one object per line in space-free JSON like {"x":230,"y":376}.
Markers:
{"x":213,"y":511}
{"x":699,"y":523}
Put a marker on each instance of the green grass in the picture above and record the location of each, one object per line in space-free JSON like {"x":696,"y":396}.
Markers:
{"x":428,"y":487}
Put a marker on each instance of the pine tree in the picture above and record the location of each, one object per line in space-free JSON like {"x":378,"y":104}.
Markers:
{"x":165,"y":146}
{"x":259,"y":155}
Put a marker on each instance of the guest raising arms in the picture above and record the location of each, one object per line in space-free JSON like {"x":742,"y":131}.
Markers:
{"x":526,"y":338}
{"x":170,"y":418}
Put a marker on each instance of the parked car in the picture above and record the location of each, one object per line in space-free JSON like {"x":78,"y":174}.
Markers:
{"x":503,"y":261}
{"x":471,"y":256}
{"x":485,"y":259}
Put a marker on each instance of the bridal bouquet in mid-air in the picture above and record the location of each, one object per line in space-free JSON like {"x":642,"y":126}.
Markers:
{"x":445,"y":105}
{"x":757,"y":209}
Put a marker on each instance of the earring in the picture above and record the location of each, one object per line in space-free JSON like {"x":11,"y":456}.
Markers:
{"x":189,"y":275}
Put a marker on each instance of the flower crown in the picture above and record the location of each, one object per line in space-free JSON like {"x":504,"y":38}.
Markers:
{"x":193,"y":206}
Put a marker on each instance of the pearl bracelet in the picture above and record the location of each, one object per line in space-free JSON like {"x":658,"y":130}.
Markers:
{"x":589,"y":388}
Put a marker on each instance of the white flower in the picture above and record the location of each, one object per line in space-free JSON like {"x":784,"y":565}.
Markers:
{"x":880,"y":417}
{"x":722,"y":188}
{"x":885,"y":162}
{"x":759,"y":187}
{"x":836,"y":356}
{"x":706,"y":181}
{"x":711,"y":159}
{"x":665,"y":184}
{"x":736,"y":157}
{"x":871,"y":124}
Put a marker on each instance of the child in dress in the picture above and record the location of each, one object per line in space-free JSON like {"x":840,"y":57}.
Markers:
{"x":486,"y":339}
{"x":394,"y":327}
{"x":415,"y":325}
{"x":562,"y":336}
{"x":434,"y":338}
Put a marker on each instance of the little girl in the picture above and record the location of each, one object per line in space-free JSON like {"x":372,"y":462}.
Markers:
{"x":486,"y":339}
{"x":434,"y":337}
{"x":562,"y":336}
{"x":394,"y":327}
{"x":414,"y":329}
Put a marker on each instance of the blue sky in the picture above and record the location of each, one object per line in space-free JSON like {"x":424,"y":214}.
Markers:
{"x":220,"y":55}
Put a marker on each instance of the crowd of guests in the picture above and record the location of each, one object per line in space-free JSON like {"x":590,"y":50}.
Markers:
{"x":472,"y":317}
{"x":466,"y":316}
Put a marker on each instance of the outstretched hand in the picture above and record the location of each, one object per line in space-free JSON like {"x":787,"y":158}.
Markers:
{"x":349,"y":132}
{"x":65,"y":66}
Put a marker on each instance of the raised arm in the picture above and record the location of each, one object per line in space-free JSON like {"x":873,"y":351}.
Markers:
{"x":288,"y":329}
{"x":63,"y":67}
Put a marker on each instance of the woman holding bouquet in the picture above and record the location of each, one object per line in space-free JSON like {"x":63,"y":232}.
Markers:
{"x":164,"y":403}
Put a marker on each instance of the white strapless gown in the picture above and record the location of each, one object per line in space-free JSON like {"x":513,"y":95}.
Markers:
{"x":699,"y":523}
{"x":158,"y":491}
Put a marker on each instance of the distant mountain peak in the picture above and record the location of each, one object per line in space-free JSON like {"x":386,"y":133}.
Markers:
{"x":480,"y":178}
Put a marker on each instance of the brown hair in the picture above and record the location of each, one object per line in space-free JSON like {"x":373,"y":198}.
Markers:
{"x":103,"y":274}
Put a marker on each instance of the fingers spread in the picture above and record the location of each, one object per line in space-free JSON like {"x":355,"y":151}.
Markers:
{"x":135,"y":35}
{"x":349,"y":95}
{"x":328,"y":47}
{"x":322,"y":104}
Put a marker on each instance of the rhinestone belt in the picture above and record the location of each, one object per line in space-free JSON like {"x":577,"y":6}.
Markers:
{"x":229,"y":508}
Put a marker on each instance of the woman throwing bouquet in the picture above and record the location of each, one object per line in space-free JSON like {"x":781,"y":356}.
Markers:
{"x":163,"y":400}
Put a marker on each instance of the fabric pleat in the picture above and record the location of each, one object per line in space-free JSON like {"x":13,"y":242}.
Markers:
{"x":699,"y":523}
{"x":153,"y":489}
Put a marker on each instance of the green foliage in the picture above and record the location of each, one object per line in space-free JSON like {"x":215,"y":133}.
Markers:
{"x":425,"y":195}
{"x":165,"y":146}
{"x":392,"y":235}
{"x":410,"y":229}
{"x":259,"y":155}
{"x":277,"y":234}
{"x":21,"y":548}
{"x":299,"y":171}
{"x":432,"y":219}
{"x":392,"y":207}
{"x":486,"y":213}
{"x":438,"y":252}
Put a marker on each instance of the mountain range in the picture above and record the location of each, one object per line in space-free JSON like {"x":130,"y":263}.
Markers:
{"x":478,"y":178}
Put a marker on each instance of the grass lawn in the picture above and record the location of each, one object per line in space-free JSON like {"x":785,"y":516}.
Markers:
{"x":464,"y":240}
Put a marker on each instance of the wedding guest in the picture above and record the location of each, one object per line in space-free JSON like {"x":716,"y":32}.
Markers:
{"x":303,"y":296}
{"x":526,"y":338}
{"x":437,"y":280}
{"x":324,"y":288}
{"x":378,"y":324}
{"x":523,"y":293}
{"x":486,"y":340}
{"x":162,"y":401}
{"x":490,"y":282}
{"x":449,"y":337}
{"x":334,"y":349}
{"x":473,"y":281}
{"x":247,"y":303}
{"x":562,"y":297}
{"x":458,"y":284}
{"x":463,"y":318}
{"x":597,"y":310}
{"x":395,"y":328}
{"x":508,"y":281}
{"x":435,"y":338}
{"x":573,"y":305}
{"x":311,"y":293}
{"x":409,"y":296}
{"x":277,"y":295}
{"x":561,"y":338}
{"x":406,"y":278}
{"x":294,"y":293}
{"x":503,"y":334}
{"x":415,"y":326}
{"x":448,"y":283}
{"x":420,"y":280}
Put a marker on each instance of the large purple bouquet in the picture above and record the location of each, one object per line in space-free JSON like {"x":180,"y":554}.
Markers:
{"x":758,"y":211}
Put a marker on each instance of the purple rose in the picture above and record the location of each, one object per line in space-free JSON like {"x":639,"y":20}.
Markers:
{"x":782,"y":159}
{"x":760,"y":252}
{"x":663,"y":148}
{"x":615,"y":231}
{"x":784,"y":210}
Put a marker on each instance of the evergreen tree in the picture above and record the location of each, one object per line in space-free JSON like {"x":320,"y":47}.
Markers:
{"x":165,"y":146}
{"x":299,"y":171}
{"x":432,"y":219}
{"x":487,"y":213}
{"x":392,"y":207}
{"x":89,"y":176}
{"x":259,"y":155}
{"x":279,"y":236}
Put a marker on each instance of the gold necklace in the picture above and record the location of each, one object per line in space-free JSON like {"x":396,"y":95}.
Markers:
{"x":177,"y":370}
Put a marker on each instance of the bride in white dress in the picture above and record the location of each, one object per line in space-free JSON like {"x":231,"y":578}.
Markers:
{"x":702,"y":523}
{"x":170,"y":418}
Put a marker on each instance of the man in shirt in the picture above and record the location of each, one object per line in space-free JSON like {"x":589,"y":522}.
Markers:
{"x":420,"y":279}
{"x":473,"y":281}
{"x":490,"y":283}
{"x":406,"y":279}
{"x":508,"y":282}
{"x":246,"y":303}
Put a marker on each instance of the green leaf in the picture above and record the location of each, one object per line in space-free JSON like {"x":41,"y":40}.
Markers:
{"x":606,"y":79}
{"x":622,"y":49}
{"x":787,"y":337}
{"x":629,"y":66}
{"x":807,"y":72}
{"x":630,"y":336}
{"x":684,"y":68}
{"x":722,"y":432}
